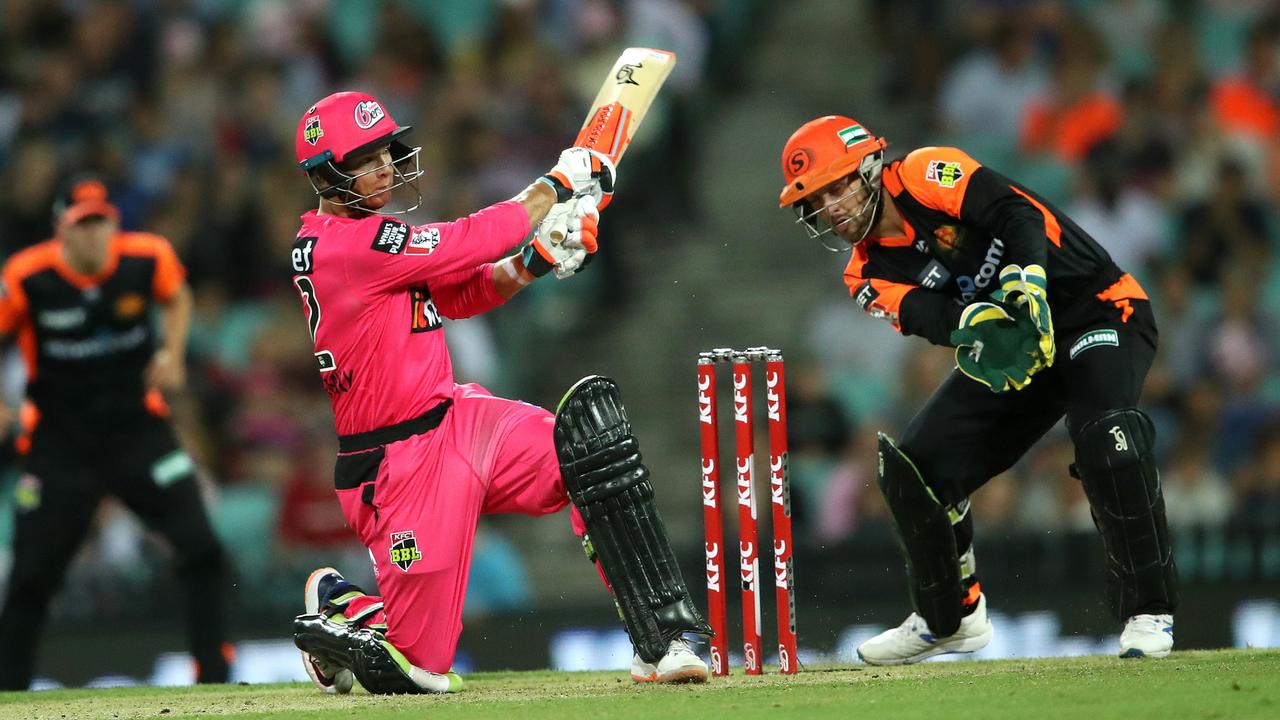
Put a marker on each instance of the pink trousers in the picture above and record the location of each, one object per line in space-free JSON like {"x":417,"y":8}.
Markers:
{"x":488,"y":455}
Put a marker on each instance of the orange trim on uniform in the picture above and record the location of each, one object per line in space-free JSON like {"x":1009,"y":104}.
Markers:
{"x":1121,"y":292}
{"x":938,"y":177}
{"x":888,"y":300}
{"x":169,"y":273}
{"x":1052,"y":229}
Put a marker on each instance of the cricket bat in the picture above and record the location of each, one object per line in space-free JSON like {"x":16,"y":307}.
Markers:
{"x":621,"y":104}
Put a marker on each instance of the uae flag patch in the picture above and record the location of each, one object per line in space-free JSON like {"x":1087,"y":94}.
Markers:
{"x":853,"y":135}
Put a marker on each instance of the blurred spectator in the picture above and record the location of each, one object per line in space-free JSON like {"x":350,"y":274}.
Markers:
{"x":1075,"y":111}
{"x":1195,"y":495}
{"x":1125,"y":219}
{"x":1257,"y":485}
{"x":1229,"y":226}
{"x":985,"y":93}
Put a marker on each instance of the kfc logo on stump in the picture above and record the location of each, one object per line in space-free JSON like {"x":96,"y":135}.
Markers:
{"x":404,"y":550}
{"x":368,"y":113}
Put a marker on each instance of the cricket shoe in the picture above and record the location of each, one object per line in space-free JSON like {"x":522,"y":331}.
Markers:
{"x":679,"y":665}
{"x":329,"y":677}
{"x":1147,"y":636}
{"x":913,"y":641}
{"x":376,"y":663}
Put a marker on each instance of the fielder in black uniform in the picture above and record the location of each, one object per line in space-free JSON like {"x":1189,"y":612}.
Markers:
{"x":94,"y":421}
{"x":1044,"y":325}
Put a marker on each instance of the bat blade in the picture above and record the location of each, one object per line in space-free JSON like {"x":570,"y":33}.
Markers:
{"x":624,"y":99}
{"x":620,"y":106}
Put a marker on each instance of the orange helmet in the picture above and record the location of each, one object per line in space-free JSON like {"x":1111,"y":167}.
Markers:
{"x":823,"y":151}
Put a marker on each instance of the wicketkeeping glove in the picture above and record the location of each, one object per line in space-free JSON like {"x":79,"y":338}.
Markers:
{"x":1028,"y":288}
{"x":579,"y":221}
{"x":581,"y":172}
{"x":995,"y":348}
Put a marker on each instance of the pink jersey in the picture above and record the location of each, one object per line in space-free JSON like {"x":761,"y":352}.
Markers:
{"x":374,"y":290}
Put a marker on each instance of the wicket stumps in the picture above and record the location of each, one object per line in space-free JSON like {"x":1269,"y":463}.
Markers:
{"x":748,"y":535}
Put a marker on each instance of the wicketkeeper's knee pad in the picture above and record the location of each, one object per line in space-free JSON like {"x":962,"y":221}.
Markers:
{"x":609,"y":483}
{"x":1116,"y":464}
{"x":927,"y":539}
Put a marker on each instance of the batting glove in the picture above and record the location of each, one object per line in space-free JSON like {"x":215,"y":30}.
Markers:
{"x":582,"y":172}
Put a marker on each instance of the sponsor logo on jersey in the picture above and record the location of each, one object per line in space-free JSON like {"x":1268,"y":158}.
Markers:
{"x":404,"y":550}
{"x":933,"y":276}
{"x":423,"y":241}
{"x":425,"y":316}
{"x":391,"y":237}
{"x":130,"y":305}
{"x":368,"y":113}
{"x":96,"y":346}
{"x":63,"y":319}
{"x":301,"y":254}
{"x":971,"y":285}
{"x":27,"y":493}
{"x":1093,"y":339}
{"x":312,"y":132}
{"x":944,"y":173}
{"x":853,"y":135}
{"x":868,"y":297}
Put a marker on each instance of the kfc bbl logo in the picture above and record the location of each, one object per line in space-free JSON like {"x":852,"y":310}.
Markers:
{"x":312,"y":132}
{"x":404,"y":549}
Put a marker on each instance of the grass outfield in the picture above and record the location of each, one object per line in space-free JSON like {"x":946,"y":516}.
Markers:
{"x":1196,"y":684}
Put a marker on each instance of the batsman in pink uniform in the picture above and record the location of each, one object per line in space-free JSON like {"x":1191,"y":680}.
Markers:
{"x":421,"y":457}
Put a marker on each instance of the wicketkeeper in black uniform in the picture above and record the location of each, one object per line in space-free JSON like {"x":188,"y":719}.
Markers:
{"x":1044,"y":325}
{"x":94,"y":421}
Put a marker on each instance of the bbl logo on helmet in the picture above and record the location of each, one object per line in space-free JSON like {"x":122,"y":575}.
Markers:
{"x":368,"y":113}
{"x":312,"y":132}
{"x":404,"y":549}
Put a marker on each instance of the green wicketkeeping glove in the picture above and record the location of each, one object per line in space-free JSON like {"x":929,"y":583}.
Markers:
{"x":996,"y":349}
{"x":1028,"y":288}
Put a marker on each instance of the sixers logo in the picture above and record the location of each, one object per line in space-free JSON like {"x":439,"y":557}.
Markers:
{"x":799,"y":161}
{"x":368,"y":113}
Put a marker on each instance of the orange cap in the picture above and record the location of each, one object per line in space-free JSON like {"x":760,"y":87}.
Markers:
{"x":87,"y":198}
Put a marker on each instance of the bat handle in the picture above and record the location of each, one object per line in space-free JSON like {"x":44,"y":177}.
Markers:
{"x":558,"y":232}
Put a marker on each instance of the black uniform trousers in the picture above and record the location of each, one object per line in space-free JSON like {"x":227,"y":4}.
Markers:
{"x":140,"y":463}
{"x":966,"y":434}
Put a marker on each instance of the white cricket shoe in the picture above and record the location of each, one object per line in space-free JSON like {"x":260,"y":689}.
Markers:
{"x":679,"y":665}
{"x":1147,"y":636}
{"x":912,"y":641}
{"x":329,"y":678}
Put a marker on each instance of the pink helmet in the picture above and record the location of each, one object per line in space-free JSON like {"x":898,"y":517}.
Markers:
{"x":346,"y":125}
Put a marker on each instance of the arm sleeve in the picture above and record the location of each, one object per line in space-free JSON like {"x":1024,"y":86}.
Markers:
{"x":913,"y":310}
{"x":949,"y":181}
{"x":402,"y":255}
{"x":467,"y":292}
